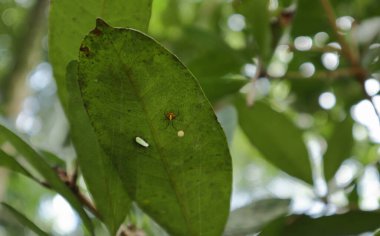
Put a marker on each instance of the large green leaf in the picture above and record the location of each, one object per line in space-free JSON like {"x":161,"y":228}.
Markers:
{"x":10,"y":162}
{"x":256,"y":13}
{"x":339,"y":147}
{"x":350,"y":223}
{"x":23,"y":219}
{"x":70,"y":21}
{"x":251,"y":218}
{"x":128,"y":83}
{"x":276,"y":137}
{"x":37,"y":161}
{"x":105,"y":185}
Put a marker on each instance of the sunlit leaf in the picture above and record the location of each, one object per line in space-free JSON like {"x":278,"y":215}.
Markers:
{"x":339,"y":147}
{"x":276,"y":137}
{"x":129,"y":83}
{"x":105,"y":185}
{"x":70,"y":21}
{"x":35,"y":159}
{"x":23,"y":220}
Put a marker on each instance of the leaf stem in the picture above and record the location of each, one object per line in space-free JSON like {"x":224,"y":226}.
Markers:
{"x":348,"y":53}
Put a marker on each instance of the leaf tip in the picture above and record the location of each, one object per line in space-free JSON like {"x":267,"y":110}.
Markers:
{"x":100,"y":24}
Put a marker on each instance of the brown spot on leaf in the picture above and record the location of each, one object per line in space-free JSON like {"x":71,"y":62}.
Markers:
{"x":85,"y":50}
{"x":96,"y":31}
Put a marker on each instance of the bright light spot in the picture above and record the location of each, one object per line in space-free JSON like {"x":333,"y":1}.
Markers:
{"x":24,"y":3}
{"x":307,"y":69}
{"x":236,"y":22}
{"x":273,"y":5}
{"x":28,"y":123}
{"x":372,"y":86}
{"x":41,"y":77}
{"x":359,"y":132}
{"x":276,"y":69}
{"x":320,"y":39}
{"x":304,"y":120}
{"x":9,"y":16}
{"x":364,"y":113}
{"x":303,"y":43}
{"x":330,"y":60}
{"x":65,"y":219}
{"x":345,"y":22}
{"x":374,"y":46}
{"x":181,"y":133}
{"x":327,"y":100}
{"x":249,"y":70}
{"x":262,"y":86}
{"x":284,"y":54}
{"x":335,"y":45}
{"x":346,"y":173}
{"x":369,"y":189}
{"x":31,"y":106}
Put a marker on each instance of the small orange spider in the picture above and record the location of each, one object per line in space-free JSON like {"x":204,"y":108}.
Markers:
{"x":170,"y":117}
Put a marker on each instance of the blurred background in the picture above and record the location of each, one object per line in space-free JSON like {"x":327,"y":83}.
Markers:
{"x":298,"y":66}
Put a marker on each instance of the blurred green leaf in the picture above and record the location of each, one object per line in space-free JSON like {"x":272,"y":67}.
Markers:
{"x":310,"y":18}
{"x":339,"y":147}
{"x":70,"y":21}
{"x":23,"y":220}
{"x":256,"y":13}
{"x":276,"y":137}
{"x":52,"y":159}
{"x":101,"y":177}
{"x":128,"y":84}
{"x":10,"y":162}
{"x":35,"y":159}
{"x":350,"y":223}
{"x":251,"y":218}
{"x":212,"y":61}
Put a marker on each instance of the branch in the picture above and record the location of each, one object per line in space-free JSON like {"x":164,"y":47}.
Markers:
{"x":347,"y":52}
{"x":336,"y":74}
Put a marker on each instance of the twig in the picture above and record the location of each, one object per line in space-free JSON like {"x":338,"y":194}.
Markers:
{"x":339,"y":73}
{"x":250,"y":99}
{"x":62,"y":174}
{"x":361,"y":74}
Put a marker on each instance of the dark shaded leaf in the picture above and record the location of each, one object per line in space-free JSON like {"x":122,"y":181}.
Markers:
{"x":10,"y":163}
{"x":23,"y":220}
{"x":276,"y":137}
{"x":256,"y":13}
{"x":35,"y":159}
{"x":351,"y":223}
{"x":251,"y":218}
{"x":339,"y":147}
{"x":101,"y":177}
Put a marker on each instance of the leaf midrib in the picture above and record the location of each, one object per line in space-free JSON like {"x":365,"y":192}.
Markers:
{"x":155,"y":140}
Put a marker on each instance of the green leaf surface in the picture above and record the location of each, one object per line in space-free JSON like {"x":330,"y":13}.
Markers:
{"x":339,"y":147}
{"x":257,"y":17}
{"x":10,"y":162}
{"x":276,"y":137}
{"x":310,"y":19}
{"x":251,"y":218}
{"x":70,"y":21}
{"x":37,"y":161}
{"x":23,"y":219}
{"x":128,"y":84}
{"x":350,"y":223}
{"x":52,"y":159}
{"x":110,"y":197}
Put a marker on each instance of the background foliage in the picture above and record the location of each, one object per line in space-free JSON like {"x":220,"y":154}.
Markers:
{"x":294,"y":85}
